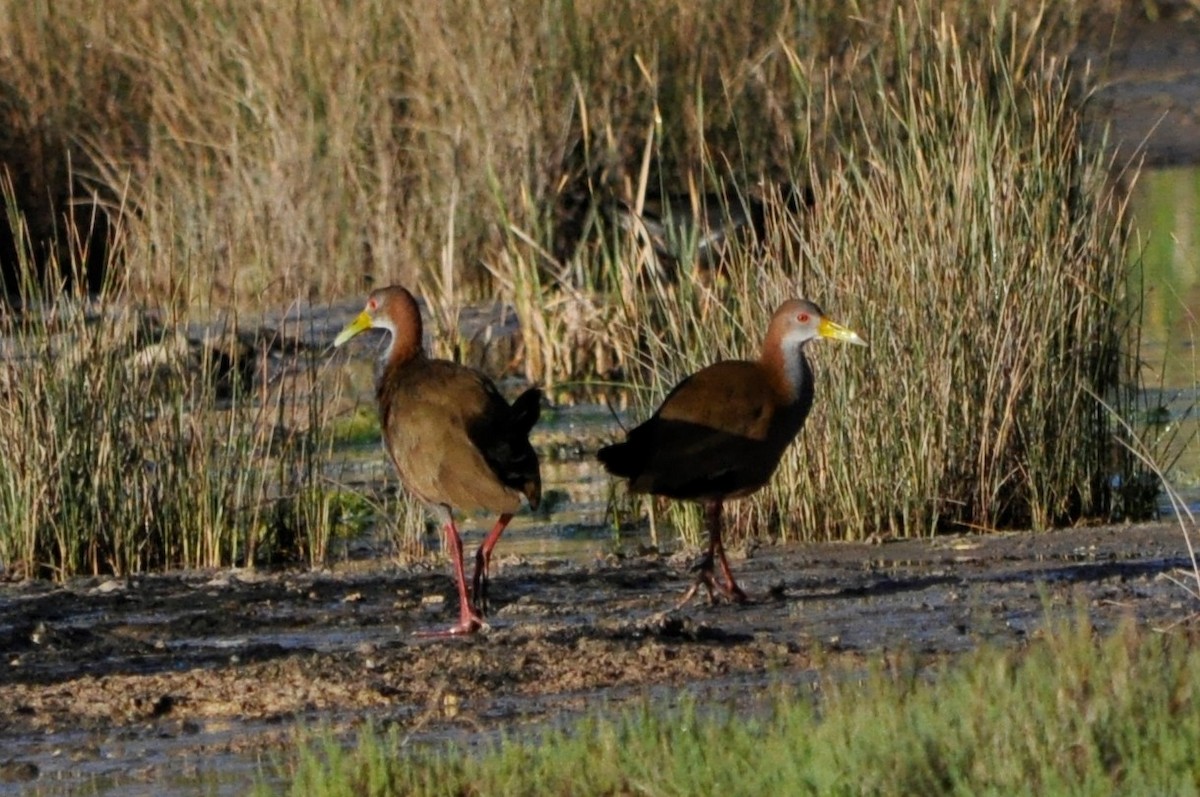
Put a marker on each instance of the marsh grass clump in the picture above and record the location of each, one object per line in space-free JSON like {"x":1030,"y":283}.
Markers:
{"x":980,"y":246}
{"x":984,"y":245}
{"x":122,"y":456}
{"x":1070,"y":714}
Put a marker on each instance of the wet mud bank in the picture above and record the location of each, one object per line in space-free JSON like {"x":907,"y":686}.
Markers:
{"x":122,"y":682}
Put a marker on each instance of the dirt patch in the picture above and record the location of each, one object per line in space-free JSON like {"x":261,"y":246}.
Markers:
{"x":105,"y":678}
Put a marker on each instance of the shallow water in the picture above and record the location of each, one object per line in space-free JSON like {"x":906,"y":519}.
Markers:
{"x":1166,"y":205}
{"x":572,"y":523}
{"x":196,"y":682}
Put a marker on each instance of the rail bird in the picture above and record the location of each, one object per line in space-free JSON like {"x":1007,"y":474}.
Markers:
{"x":720,"y":433}
{"x":455,"y":441}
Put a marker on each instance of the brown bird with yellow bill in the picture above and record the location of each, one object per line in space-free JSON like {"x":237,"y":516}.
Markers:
{"x":721,"y":432}
{"x":455,"y":442}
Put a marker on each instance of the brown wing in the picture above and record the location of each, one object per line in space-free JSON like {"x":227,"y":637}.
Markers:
{"x":733,"y":397}
{"x":452,"y":438}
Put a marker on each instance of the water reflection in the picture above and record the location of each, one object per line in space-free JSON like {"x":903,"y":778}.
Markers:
{"x":1166,"y":206}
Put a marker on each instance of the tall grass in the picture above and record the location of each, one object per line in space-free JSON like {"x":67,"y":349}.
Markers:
{"x":981,"y":245}
{"x":121,"y":456}
{"x":1070,"y":715}
{"x":253,"y":153}
{"x":282,"y":151}
{"x":968,"y":231}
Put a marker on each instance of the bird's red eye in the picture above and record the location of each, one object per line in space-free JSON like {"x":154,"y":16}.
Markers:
{"x":372,"y":304}
{"x":802,"y":318}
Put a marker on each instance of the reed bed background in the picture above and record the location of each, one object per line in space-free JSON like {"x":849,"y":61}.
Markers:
{"x":129,"y":448}
{"x":209,"y":155}
{"x":279,"y":152}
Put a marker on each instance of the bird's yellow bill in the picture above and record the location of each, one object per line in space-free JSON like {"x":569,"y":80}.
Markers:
{"x":360,"y":323}
{"x":829,"y":329}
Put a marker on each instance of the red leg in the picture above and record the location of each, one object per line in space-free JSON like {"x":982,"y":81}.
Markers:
{"x":469,"y":620}
{"x":483,"y":561}
{"x":716,"y":551}
{"x":730,"y":587}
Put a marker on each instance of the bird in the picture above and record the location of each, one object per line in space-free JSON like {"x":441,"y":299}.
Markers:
{"x":455,"y":441}
{"x":720,"y":433}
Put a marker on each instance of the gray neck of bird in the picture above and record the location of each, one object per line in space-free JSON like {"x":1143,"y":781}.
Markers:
{"x":402,"y":345}
{"x":787,"y":359}
{"x":385,"y":353}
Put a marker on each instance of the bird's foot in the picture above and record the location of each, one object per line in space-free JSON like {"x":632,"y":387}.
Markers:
{"x":470,"y":621}
{"x":734,"y":594}
{"x":716,"y":590}
{"x":462,"y":629}
{"x":703,"y":578}
{"x":660,"y":618}
{"x":687,"y":597}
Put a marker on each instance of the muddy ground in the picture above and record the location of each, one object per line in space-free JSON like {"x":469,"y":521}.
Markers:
{"x":113,"y":684}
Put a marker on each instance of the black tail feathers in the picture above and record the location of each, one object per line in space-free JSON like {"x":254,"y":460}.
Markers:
{"x":618,"y":459}
{"x":526,"y":410}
